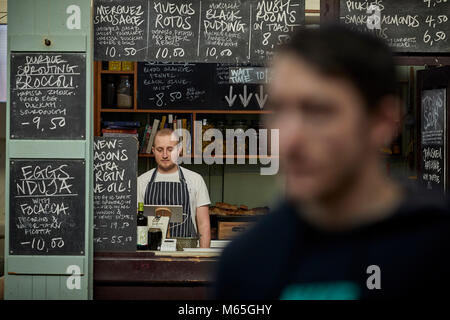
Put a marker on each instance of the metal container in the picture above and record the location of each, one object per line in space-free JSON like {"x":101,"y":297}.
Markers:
{"x":188,"y":242}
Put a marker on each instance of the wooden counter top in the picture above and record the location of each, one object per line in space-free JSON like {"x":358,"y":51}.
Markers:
{"x":144,"y":275}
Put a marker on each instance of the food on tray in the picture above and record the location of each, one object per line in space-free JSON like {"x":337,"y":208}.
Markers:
{"x":226,"y":209}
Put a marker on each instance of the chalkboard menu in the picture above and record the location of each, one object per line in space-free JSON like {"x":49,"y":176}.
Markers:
{"x":225,"y":31}
{"x":258,"y":75}
{"x":230,"y":95}
{"x":173,"y":30}
{"x":433,"y":132}
{"x":209,"y":86}
{"x":115,"y":190}
{"x":121,"y":29}
{"x":193,"y":30}
{"x":407,"y":26}
{"x":174,"y":85}
{"x":48,"y":96}
{"x":47,"y":207}
{"x":271,"y":24}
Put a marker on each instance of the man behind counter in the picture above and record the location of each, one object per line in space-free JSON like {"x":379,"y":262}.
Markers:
{"x":346,"y":230}
{"x":169,"y":184}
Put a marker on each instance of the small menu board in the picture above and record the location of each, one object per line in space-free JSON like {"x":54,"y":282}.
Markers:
{"x":115,"y":190}
{"x":219,"y":86}
{"x":271,"y":23}
{"x":48,"y":96}
{"x":167,"y":85}
{"x":225,"y":31}
{"x":231,"y":93}
{"x":121,"y":29}
{"x":255,"y":75}
{"x":173,"y":30}
{"x":433,"y":132}
{"x":407,"y":26}
{"x":47,"y":207}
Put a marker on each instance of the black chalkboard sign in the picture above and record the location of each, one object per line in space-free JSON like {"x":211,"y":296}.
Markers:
{"x":121,"y":30}
{"x":213,"y":31}
{"x":407,"y":26}
{"x":47,"y":207}
{"x":255,"y":75}
{"x":272,"y":22}
{"x":199,"y":85}
{"x":433,"y":133}
{"x":229,"y":95}
{"x":225,"y":31}
{"x":48,"y":96}
{"x":115,"y":190}
{"x":174,"y":30}
{"x":174,"y":85}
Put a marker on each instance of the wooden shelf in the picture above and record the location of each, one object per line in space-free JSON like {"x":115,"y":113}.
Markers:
{"x":240,"y":157}
{"x":235,"y":111}
{"x":130,"y":110}
{"x":197,"y":111}
{"x":116,"y":72}
{"x":146,"y":155}
{"x":149,"y":155}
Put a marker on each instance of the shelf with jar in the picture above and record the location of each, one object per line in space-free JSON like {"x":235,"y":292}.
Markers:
{"x":116,"y":100}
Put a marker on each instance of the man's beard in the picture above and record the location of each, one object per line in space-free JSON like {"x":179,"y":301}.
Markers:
{"x":168,"y":168}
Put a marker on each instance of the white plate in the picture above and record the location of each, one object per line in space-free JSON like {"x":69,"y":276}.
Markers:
{"x":219,"y":243}
{"x":203,"y":249}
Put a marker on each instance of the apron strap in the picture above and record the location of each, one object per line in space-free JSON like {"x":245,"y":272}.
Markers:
{"x":180,"y":175}
{"x":152,"y":179}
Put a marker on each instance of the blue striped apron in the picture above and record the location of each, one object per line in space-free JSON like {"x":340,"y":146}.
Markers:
{"x":172,"y":193}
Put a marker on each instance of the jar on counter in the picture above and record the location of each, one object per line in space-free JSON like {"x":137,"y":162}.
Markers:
{"x":124,"y":93}
{"x":220,"y":125}
{"x":262,"y":139}
{"x":110,"y":93}
{"x":240,"y":126}
{"x":154,"y":238}
{"x":206,"y":125}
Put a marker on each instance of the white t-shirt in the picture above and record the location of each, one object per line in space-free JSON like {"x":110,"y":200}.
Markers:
{"x":198,"y":193}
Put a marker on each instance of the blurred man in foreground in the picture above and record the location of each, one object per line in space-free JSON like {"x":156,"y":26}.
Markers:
{"x":345,"y":230}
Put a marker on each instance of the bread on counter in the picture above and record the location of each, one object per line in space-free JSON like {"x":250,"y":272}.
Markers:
{"x":226,"y":206}
{"x":226,"y":209}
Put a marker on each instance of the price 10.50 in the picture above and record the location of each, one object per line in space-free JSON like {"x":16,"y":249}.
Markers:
{"x":112,"y":52}
{"x":39,"y":244}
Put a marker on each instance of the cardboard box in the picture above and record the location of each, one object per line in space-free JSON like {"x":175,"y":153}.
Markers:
{"x":114,"y":66}
{"x":230,"y":229}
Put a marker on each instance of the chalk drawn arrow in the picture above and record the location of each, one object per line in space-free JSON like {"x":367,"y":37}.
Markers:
{"x":231,"y":97}
{"x":245,"y":99}
{"x":261,"y":97}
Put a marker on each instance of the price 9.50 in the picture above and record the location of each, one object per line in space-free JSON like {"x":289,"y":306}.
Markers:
{"x":55,"y":123}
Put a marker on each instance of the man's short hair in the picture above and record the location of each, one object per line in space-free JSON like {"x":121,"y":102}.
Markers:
{"x":167,"y":132}
{"x":338,"y":51}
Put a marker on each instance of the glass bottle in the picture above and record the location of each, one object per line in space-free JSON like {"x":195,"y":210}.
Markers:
{"x":240,"y":127}
{"x":110,"y":101}
{"x":155,"y":238}
{"x":142,"y":228}
{"x":124,"y":93}
{"x":222,"y":128}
